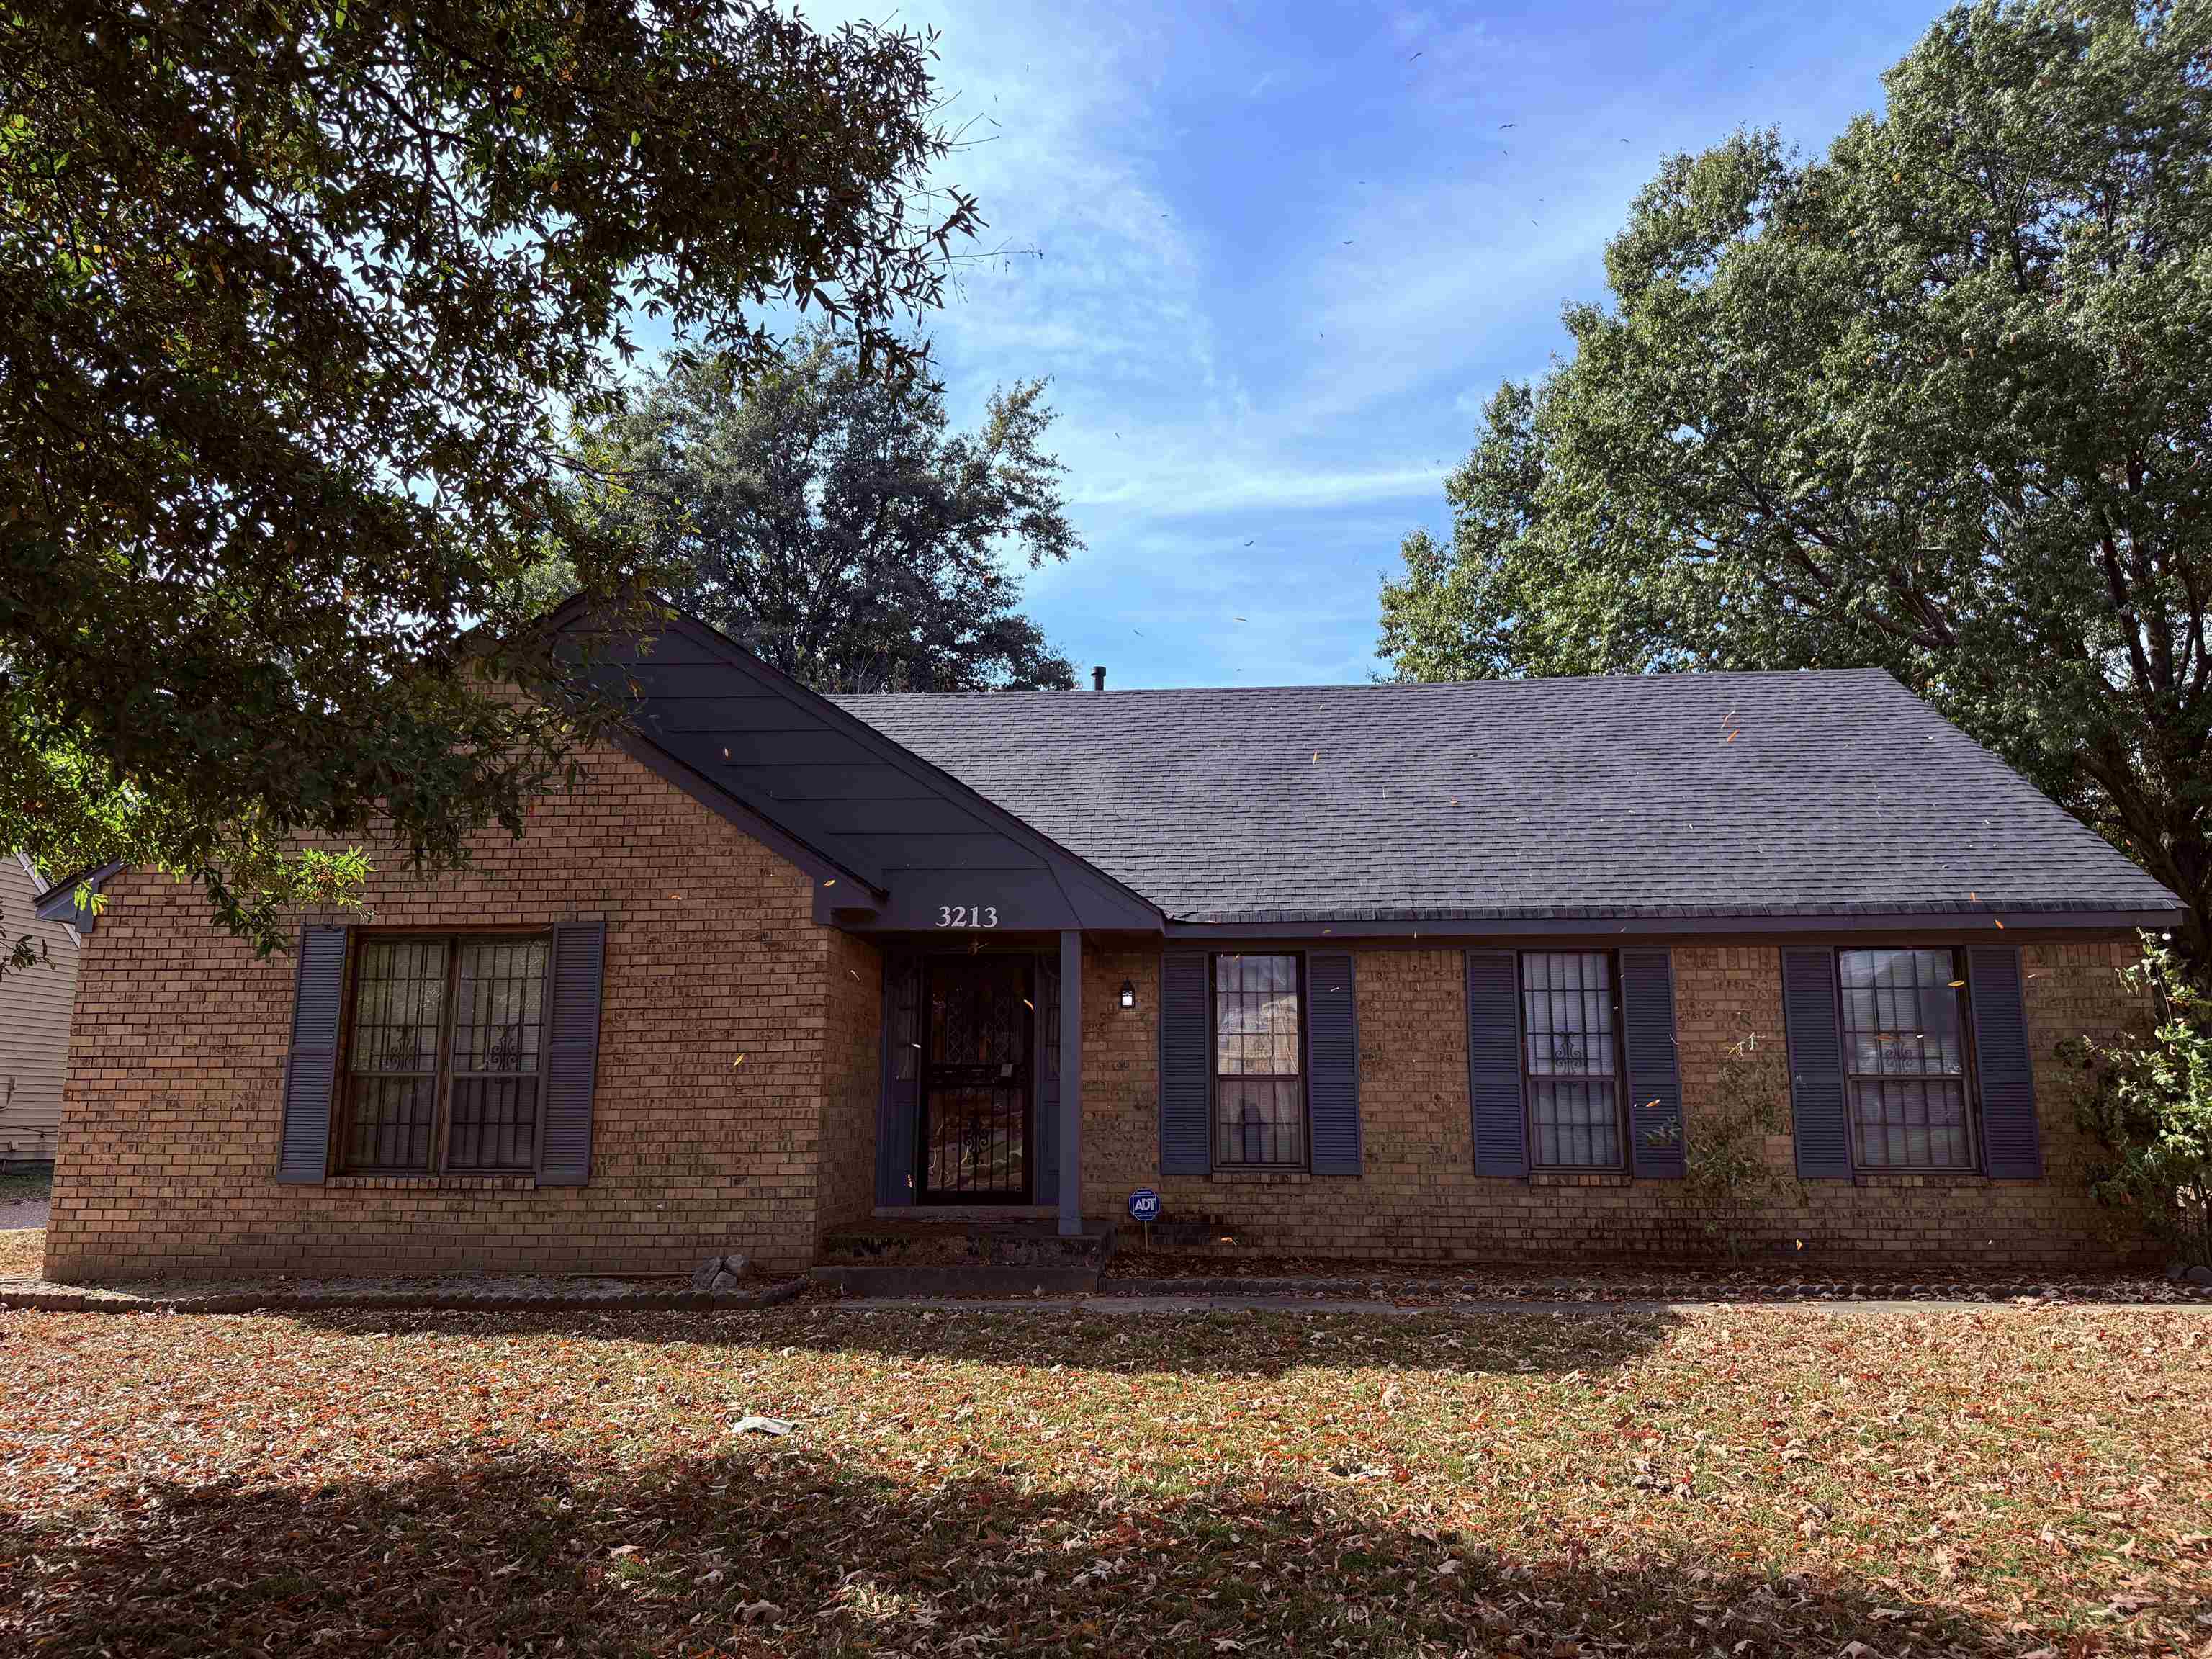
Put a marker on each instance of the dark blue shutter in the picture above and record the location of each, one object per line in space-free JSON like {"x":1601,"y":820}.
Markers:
{"x":1045,"y":1046}
{"x":311,"y":1068}
{"x":2012,"y":1147}
{"x":572,"y":1059}
{"x":1655,"y":1077}
{"x":1332,"y":1062}
{"x":1186,"y":1064}
{"x":1816,"y":1065}
{"x":1499,"y":1125}
{"x":899,"y":1106}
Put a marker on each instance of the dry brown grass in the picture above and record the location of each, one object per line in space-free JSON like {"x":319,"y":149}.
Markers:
{"x":1780,"y":1480}
{"x":22,"y":1251}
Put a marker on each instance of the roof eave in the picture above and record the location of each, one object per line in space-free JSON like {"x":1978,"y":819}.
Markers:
{"x":1647,"y":926}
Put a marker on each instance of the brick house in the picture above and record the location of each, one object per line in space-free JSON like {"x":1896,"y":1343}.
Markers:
{"x":1436,"y":971}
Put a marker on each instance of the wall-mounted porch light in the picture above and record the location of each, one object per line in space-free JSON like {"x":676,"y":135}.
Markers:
{"x":1128,"y":995}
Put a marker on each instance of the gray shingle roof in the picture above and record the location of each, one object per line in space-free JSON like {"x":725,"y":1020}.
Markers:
{"x":1841,"y":792}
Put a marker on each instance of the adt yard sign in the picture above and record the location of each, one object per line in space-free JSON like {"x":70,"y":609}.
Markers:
{"x":1145,"y":1206}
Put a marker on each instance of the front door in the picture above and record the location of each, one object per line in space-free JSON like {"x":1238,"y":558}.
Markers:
{"x":974,"y":1147}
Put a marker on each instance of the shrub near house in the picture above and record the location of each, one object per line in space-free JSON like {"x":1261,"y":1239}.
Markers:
{"x":1444,"y":971}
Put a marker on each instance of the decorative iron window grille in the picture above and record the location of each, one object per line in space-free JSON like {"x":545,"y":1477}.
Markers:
{"x":1904,"y":1059}
{"x":445,"y":1041}
{"x":1570,"y":1058}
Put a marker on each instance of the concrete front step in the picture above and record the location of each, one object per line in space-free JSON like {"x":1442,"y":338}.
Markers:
{"x":1027,"y":1245}
{"x":974,"y":1279}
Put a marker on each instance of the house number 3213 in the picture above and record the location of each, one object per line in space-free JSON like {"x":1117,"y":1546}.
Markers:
{"x":967,"y":915}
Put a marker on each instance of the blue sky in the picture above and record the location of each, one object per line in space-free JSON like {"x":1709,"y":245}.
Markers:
{"x":1285,"y":258}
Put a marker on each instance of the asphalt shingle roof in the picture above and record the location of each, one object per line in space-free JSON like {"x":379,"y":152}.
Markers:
{"x":1840,"y":792}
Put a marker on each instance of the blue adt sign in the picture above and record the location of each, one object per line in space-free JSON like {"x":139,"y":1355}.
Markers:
{"x":1144,"y":1205}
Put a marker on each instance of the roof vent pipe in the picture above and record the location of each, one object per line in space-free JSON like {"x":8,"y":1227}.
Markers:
{"x":1099,"y":677}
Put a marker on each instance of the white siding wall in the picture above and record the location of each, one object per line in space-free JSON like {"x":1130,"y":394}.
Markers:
{"x":34,"y":1023}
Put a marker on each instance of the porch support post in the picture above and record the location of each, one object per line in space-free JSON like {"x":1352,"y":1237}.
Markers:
{"x":1070,"y":1081}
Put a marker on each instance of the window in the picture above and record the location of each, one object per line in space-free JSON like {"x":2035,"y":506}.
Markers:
{"x":1904,"y":1059}
{"x":1259,"y":1096}
{"x":444,"y":1054}
{"x":1569,"y":1058}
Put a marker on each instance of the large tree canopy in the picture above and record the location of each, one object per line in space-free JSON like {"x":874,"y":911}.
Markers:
{"x":1939,"y":401}
{"x":296,"y":305}
{"x":829,"y":520}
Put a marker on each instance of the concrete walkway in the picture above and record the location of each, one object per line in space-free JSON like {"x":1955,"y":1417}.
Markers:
{"x":1480,"y":1309}
{"x":16,"y":1214}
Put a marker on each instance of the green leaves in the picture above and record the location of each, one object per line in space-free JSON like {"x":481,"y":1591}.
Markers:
{"x":295,"y":307}
{"x":2147,"y":1104}
{"x":1935,"y":401}
{"x":826,"y":518}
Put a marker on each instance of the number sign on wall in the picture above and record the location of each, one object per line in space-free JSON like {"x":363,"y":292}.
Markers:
{"x":967,"y":915}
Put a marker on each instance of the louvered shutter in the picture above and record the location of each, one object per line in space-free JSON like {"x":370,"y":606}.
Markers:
{"x":311,"y":1067}
{"x":1186,"y":1064}
{"x":899,"y":1105}
{"x":1655,"y":1079}
{"x":1500,"y":1126}
{"x":1816,"y":1065}
{"x":572,"y":1061}
{"x":1045,"y":1046}
{"x":1332,"y":1062}
{"x":2012,"y":1146}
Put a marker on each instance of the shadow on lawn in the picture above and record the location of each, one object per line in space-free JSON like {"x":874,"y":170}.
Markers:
{"x":1205,"y":1344}
{"x":511,"y":1555}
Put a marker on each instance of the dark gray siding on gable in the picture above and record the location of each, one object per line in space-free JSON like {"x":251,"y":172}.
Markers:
{"x":926,"y":845}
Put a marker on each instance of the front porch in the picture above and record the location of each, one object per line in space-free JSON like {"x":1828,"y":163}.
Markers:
{"x":978,"y":1123}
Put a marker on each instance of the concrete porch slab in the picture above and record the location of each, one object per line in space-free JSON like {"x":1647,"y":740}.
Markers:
{"x":955,"y":1281}
{"x":1015,"y":1255}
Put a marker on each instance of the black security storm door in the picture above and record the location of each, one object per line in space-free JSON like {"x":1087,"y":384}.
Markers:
{"x":975,"y":1140}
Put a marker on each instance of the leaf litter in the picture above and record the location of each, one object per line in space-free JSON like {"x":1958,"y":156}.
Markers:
{"x":1764,"y":1481}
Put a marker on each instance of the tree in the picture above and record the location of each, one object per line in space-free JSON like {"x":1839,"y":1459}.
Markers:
{"x":1937,"y":401}
{"x":826,"y":518}
{"x":2147,"y":1102}
{"x":296,"y":304}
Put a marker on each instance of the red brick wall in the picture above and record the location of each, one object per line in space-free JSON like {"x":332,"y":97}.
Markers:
{"x":1419,"y":1198}
{"x":734,"y":1040}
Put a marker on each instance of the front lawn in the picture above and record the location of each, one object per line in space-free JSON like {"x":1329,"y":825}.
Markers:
{"x":1770,"y":1481}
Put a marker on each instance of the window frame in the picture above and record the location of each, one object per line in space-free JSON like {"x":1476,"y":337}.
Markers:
{"x":1969,"y":1073}
{"x":441,"y":1159}
{"x":1214,"y":1074}
{"x":1621,"y":1164}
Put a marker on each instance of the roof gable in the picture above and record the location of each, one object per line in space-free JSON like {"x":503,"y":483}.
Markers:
{"x":847,"y":800}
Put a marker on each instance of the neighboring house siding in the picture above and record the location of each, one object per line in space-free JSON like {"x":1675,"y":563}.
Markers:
{"x":34,"y":1023}
{"x":725,"y":1061}
{"x":1419,"y":1198}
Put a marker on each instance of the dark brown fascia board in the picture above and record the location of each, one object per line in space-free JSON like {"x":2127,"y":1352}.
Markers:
{"x":885,"y":749}
{"x":1976,"y":923}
